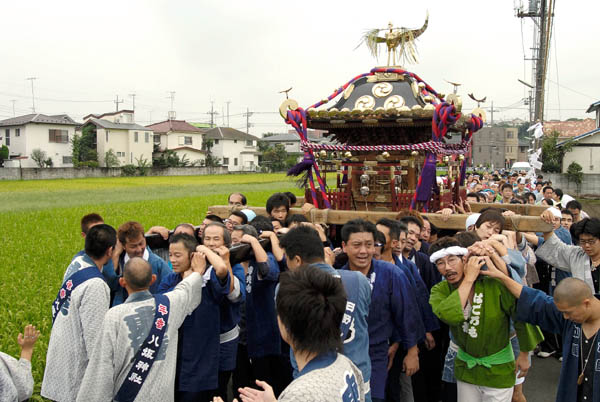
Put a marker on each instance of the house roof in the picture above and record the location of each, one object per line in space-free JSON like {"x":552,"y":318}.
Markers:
{"x":570,"y":129}
{"x":227,"y":133}
{"x":117,"y":126}
{"x":167,"y":126}
{"x":183,"y":148}
{"x":39,"y":119}
{"x":594,"y":106}
{"x":580,"y":137}
{"x":99,"y":116}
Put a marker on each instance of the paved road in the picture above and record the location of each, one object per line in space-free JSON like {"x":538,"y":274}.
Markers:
{"x":542,"y":380}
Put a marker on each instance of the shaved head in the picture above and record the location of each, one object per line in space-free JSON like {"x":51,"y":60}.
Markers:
{"x":137,"y":273}
{"x":572,"y":292}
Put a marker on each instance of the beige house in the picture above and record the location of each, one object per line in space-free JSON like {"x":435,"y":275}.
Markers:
{"x":183,"y":138}
{"x":118,"y":132}
{"x":51,"y":134}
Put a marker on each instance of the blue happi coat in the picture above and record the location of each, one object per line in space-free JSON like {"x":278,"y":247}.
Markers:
{"x":198,"y":354}
{"x":393,"y":317}
{"x":261,"y":318}
{"x":430,"y":321}
{"x":230,"y":318}
{"x":535,"y":307}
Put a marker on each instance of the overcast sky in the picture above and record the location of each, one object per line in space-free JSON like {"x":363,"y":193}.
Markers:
{"x":84,"y":53}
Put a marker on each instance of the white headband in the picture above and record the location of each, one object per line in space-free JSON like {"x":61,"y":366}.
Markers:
{"x":445,"y":252}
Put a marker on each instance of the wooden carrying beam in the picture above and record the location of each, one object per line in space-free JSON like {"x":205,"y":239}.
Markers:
{"x":521,"y":209}
{"x":453,"y":222}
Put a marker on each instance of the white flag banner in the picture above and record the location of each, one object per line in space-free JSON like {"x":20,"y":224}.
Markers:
{"x":537,"y":165}
{"x":538,"y":130}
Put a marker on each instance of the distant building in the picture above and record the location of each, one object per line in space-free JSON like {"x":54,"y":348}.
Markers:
{"x":523,"y":148}
{"x":236,"y":150}
{"x":52,"y":134}
{"x":291,"y":141}
{"x":181,"y":137}
{"x":119,"y":132}
{"x":586,"y":145}
{"x":496,"y":146}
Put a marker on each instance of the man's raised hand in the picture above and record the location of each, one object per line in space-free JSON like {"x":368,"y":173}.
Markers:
{"x":198,"y":262}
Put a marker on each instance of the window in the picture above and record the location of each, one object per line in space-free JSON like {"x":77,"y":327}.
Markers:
{"x":216,"y":142}
{"x":225,"y":161}
{"x":235,"y":161}
{"x":235,"y":141}
{"x":249,"y":143}
{"x":17,"y":132}
{"x":479,"y":149}
{"x":121,"y":154}
{"x":146,"y":137}
{"x":289,"y":143}
{"x":509,"y":134}
{"x":7,"y":136}
{"x":135,"y":136}
{"x":59,"y":136}
{"x":187,"y":140}
{"x":67,"y":159}
{"x":106,"y":135}
{"x":157,"y":138}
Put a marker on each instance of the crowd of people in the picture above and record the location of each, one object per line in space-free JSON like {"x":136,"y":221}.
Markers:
{"x":396,"y":310}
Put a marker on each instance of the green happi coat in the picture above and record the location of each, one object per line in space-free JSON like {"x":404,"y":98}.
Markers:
{"x":485,"y":332}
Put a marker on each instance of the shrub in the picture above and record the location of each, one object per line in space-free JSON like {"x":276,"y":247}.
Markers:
{"x":128,"y":170}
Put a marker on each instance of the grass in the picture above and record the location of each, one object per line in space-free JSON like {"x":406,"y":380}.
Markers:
{"x":40,"y":233}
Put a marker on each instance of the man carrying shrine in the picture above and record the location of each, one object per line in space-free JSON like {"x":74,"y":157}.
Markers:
{"x":136,"y":353}
{"x":77,"y":314}
{"x":478,"y":311}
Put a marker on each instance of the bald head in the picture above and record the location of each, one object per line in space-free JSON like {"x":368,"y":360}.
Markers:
{"x":137,"y":273}
{"x":572,"y":292}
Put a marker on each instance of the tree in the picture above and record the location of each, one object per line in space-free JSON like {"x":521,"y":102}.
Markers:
{"x":275,"y":157}
{"x":143,"y":166}
{"x":552,"y":155}
{"x":575,"y":174}
{"x":3,"y":154}
{"x":83,"y":147}
{"x":110,"y":159}
{"x":210,"y":159}
{"x":39,"y":157}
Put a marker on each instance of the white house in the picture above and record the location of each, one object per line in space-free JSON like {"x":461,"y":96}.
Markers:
{"x":118,"y":131}
{"x":51,"y":134}
{"x":586,"y":146}
{"x":181,"y":137}
{"x":237,"y":150}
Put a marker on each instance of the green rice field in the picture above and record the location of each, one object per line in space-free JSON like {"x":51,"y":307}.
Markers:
{"x":39,"y":232}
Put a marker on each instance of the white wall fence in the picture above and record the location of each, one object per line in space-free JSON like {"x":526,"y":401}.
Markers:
{"x":590,"y":185}
{"x":81,"y":173}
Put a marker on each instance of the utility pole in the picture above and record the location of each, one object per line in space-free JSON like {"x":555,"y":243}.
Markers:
{"x":133,"y":99}
{"x":248,"y":125}
{"x":228,"y":102}
{"x":32,"y":95}
{"x":13,"y":102}
{"x":171,"y":114}
{"x":117,"y":101}
{"x":223,"y":115}
{"x":212,"y":114}
{"x":542,"y":14}
{"x":492,"y":110}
